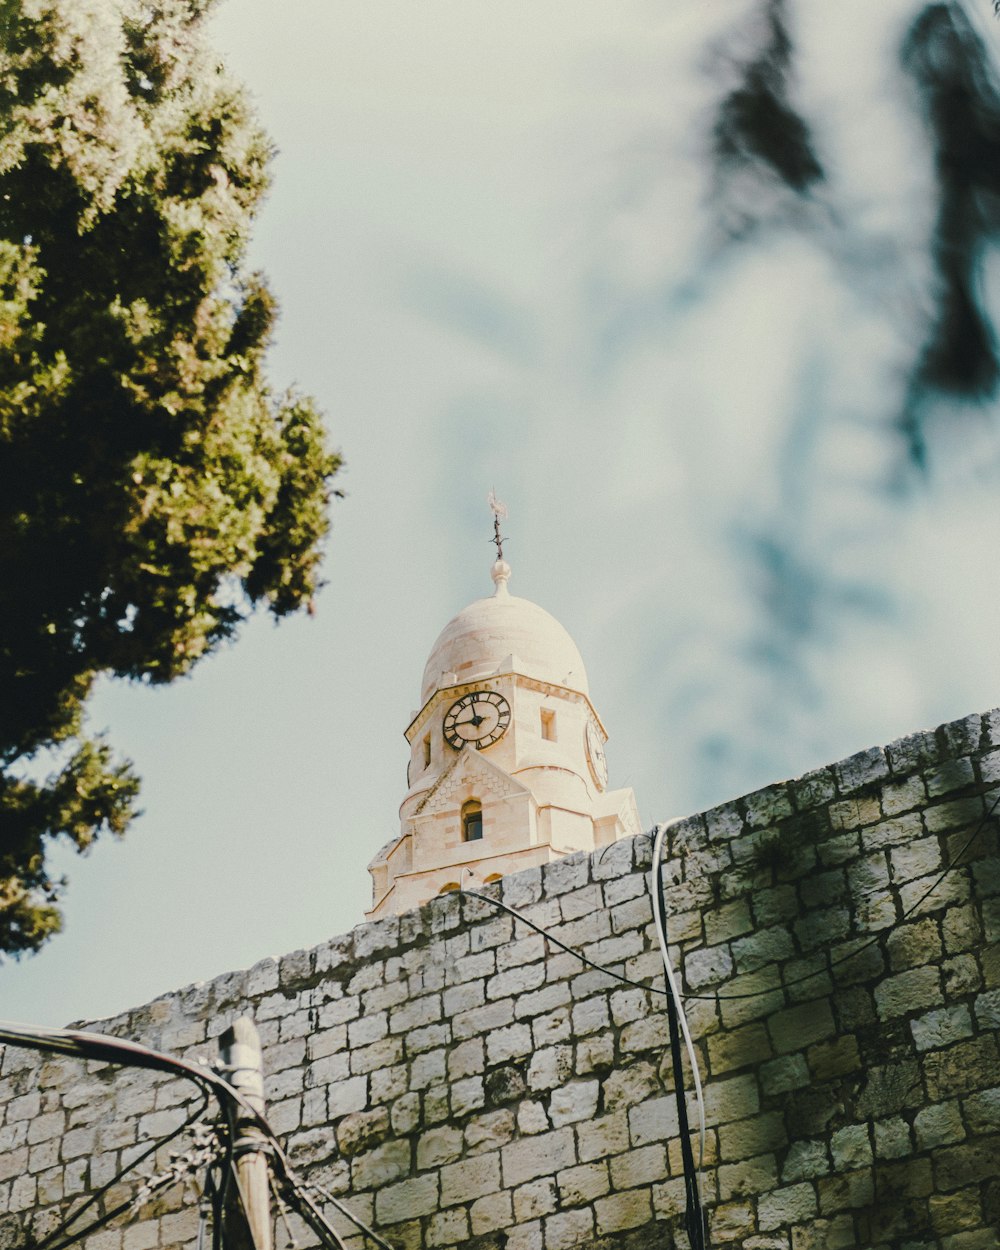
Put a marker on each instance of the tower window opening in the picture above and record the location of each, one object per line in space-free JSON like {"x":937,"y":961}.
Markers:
{"x":427,"y":751}
{"x":472,"y":821}
{"x":548,"y":724}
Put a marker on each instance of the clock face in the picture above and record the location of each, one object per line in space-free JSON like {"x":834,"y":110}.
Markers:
{"x":480,"y":717}
{"x":595,"y":756}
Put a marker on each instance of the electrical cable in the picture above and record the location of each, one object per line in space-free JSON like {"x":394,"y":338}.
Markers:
{"x":125,"y":1053}
{"x":694,"y":1215}
{"x":774,"y":989}
{"x":47,"y":1242}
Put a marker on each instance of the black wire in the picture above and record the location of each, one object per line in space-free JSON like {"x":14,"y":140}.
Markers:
{"x":225,"y":1172}
{"x":716,"y":998}
{"x":132,"y":1054}
{"x":46,"y":1243}
{"x":694,"y":1220}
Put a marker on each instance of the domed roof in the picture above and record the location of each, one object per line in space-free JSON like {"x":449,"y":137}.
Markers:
{"x":477,"y":641}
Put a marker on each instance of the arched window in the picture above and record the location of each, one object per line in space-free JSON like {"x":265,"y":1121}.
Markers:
{"x":449,"y":887}
{"x":494,"y":876}
{"x":472,"y":821}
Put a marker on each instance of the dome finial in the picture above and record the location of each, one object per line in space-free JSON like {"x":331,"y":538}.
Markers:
{"x":501,"y":569}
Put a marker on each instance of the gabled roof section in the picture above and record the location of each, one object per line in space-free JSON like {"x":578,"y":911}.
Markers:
{"x":469,"y":767}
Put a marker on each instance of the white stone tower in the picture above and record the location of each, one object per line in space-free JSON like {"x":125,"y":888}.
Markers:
{"x":507,"y":766}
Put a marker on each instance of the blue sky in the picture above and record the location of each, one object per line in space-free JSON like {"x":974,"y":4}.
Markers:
{"x":504,"y":260}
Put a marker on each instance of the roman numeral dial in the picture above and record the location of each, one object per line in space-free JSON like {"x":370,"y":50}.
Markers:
{"x":480,"y":717}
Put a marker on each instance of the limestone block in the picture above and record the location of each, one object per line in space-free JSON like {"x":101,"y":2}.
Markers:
{"x":708,"y":966}
{"x":261,"y":978}
{"x":532,"y":1117}
{"x":617,"y":1211}
{"x":448,"y":1228}
{"x":982,"y":1111}
{"x":471,"y":967}
{"x":466,"y":1059}
{"x":532,"y":1157}
{"x":805,"y":1159}
{"x":534,"y":1199}
{"x":851,"y":1147}
{"x":903,"y":796}
{"x":892,"y":1138}
{"x":847,"y":1190}
{"x":789,"y":1205}
{"x":818,"y":929}
{"x":956,"y":814}
{"x":339,"y":1011}
{"x":938,"y":1125}
{"x":743,"y":1138}
{"x":942,"y":1027}
{"x":731,"y":1221}
{"x":860,"y":770}
{"x":788,"y":1072}
{"x":915,"y":859}
{"x":987,"y":1008}
{"x":459,"y":998}
{"x":508,"y":1043}
{"x":971,"y":1163}
{"x":414,"y":1013}
{"x":44,"y":1127}
{"x":738,"y":1048}
{"x":854,"y":813}
{"x":835,"y":1234}
{"x":347,"y":1096}
{"x":655,"y":1120}
{"x":491,"y":1212}
{"x":890,"y":1088}
{"x":516,"y":981}
{"x":428,"y":1068}
{"x":381,"y":1054}
{"x":467,"y":1095}
{"x":590,"y":1015}
{"x":381,"y":1166}
{"x":731,"y":1099}
{"x":908,"y":991}
{"x":839,"y":850}
{"x":834,"y":1058}
{"x":748,"y":1177}
{"x":407,"y":1199}
{"x":438,"y":1146}
{"x":574,"y":1102}
{"x":966,"y":1067}
{"x":550,"y":1029}
{"x":550,"y":1067}
{"x":644,"y":1035}
{"x":431,"y":1036}
{"x":949,"y":777}
{"x":483,"y":1020}
{"x":913,"y":944}
{"x":821,"y":889}
{"x":797,"y":1027}
{"x":529,"y":948}
{"x":489,"y":1132}
{"x":581,"y":902}
{"x":565,"y":1229}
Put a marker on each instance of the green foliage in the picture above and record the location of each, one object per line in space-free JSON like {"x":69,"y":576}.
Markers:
{"x":153,"y":490}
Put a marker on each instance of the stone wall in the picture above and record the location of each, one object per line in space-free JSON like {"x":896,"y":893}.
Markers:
{"x":459,"y":1081}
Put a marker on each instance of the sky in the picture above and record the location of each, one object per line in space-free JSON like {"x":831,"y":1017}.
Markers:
{"x":505,"y":260}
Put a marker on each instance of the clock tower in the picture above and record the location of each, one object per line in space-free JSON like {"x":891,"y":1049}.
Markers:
{"x":507,"y":766}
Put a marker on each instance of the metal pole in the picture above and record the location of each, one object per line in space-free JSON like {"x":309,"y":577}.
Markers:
{"x":239,"y":1050}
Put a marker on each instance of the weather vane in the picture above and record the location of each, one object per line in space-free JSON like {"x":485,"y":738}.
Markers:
{"x":499,"y":511}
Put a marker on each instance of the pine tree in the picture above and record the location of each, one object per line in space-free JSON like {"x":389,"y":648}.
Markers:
{"x":154,"y":490}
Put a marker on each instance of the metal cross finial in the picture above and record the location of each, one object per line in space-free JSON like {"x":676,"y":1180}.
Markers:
{"x":499,"y":511}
